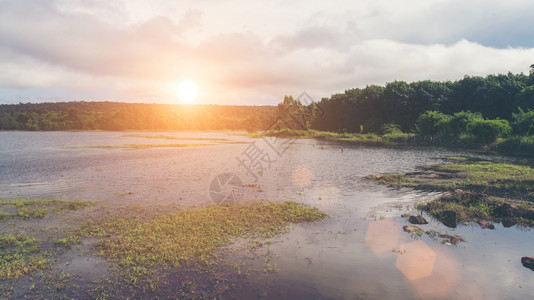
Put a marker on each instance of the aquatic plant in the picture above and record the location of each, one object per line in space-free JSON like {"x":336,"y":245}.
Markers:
{"x":192,"y":234}
{"x":19,"y":256}
{"x":38,"y":208}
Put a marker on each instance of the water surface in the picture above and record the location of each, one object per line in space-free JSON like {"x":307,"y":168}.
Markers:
{"x":359,"y":252}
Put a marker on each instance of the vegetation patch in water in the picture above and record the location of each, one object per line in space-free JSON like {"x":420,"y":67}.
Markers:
{"x":22,"y":254}
{"x":479,"y":190}
{"x":473,"y":206}
{"x":493,"y":178}
{"x":19,"y":256}
{"x":158,"y":251}
{"x":393,"y":179}
{"x":193,"y":234}
{"x":152,"y":252}
{"x":38,"y":208}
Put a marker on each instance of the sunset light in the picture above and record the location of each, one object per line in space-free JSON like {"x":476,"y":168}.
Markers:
{"x":371,"y":149}
{"x":187,"y":91}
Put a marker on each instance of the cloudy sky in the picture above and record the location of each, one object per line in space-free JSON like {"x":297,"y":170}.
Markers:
{"x":250,"y":52}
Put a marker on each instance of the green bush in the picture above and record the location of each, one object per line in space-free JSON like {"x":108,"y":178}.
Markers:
{"x":487,"y":131}
{"x":432,"y":123}
{"x":390,"y":128}
{"x":457,"y":125}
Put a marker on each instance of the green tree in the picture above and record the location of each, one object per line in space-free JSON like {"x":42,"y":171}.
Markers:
{"x":523,"y":123}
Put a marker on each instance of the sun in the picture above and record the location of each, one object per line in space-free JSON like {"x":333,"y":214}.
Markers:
{"x":187,"y":91}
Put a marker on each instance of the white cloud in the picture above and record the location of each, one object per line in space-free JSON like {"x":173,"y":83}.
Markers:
{"x":250,"y":52}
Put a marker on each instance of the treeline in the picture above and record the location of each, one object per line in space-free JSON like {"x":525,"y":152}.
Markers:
{"x":473,"y":109}
{"x":133,"y":116}
{"x":371,"y":109}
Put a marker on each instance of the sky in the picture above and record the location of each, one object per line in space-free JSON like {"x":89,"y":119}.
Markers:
{"x":251,"y":52}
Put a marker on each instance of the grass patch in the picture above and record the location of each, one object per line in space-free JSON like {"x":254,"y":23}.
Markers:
{"x":497,"y":178}
{"x":153,"y":252}
{"x":19,"y":256}
{"x":393,"y":179}
{"x":471,"y":206}
{"x":362,"y":138}
{"x":38,"y":208}
{"x":478,"y":190}
{"x":493,"y":178}
{"x":192,"y":234}
{"x":152,"y":247}
{"x":458,"y":158}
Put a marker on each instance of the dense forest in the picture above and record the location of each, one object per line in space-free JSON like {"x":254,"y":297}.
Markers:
{"x":133,"y":116}
{"x":495,"y":111}
{"x":368,"y":109}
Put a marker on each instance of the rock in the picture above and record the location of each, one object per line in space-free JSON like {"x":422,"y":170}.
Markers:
{"x":485,"y":224}
{"x":417,"y":220}
{"x":448,"y":218}
{"x":409,"y":228}
{"x":452,"y":239}
{"x":508,"y":223}
{"x":508,"y":210}
{"x":455,"y":240}
{"x":405,"y":215}
{"x":528,"y":262}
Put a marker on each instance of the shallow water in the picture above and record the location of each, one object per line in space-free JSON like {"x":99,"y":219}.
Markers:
{"x":359,"y":252}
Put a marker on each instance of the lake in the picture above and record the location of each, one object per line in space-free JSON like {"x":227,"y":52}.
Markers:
{"x":360,"y":251}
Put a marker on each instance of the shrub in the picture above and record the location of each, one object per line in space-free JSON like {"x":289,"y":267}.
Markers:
{"x":487,"y":131}
{"x":390,"y":128}
{"x":457,"y":125}
{"x":432,"y":123}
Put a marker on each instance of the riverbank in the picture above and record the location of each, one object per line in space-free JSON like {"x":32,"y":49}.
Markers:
{"x":516,"y":146}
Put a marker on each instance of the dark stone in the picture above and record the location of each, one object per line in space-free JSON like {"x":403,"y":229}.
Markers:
{"x":507,"y":210}
{"x":485,"y":224}
{"x":452,"y":239}
{"x":528,"y":262}
{"x":417,"y":220}
{"x":508,"y":223}
{"x":448,"y":218}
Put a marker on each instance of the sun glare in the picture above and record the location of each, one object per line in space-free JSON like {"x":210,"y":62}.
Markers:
{"x":187,"y":91}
